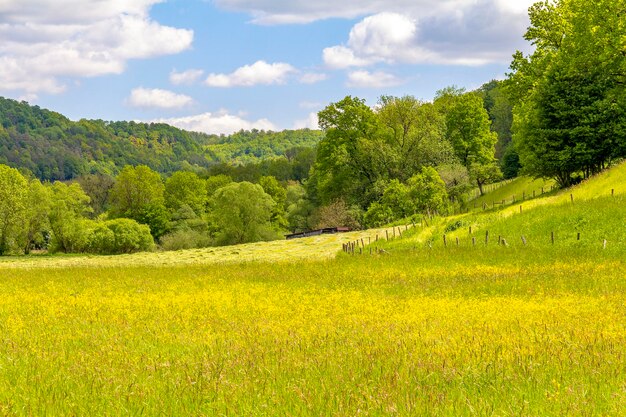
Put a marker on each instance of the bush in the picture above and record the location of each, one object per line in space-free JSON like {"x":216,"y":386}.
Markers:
{"x":185,"y":239}
{"x":120,"y":236}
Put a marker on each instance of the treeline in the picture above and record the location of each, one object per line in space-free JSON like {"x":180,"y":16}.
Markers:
{"x":138,"y":210}
{"x":249,"y":147}
{"x":53,"y":147}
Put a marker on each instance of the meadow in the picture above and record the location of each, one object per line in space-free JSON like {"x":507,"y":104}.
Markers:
{"x":421,"y":329}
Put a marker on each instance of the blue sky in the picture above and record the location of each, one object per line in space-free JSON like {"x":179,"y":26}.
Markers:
{"x":222,"y":65}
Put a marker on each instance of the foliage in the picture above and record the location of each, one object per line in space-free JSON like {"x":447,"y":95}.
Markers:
{"x":569,"y":117}
{"x":120,"y":236}
{"x":469,"y":132}
{"x":337,"y":214}
{"x":249,"y":147}
{"x":428,"y":192}
{"x":97,"y":187}
{"x":68,"y":208}
{"x":138,"y":193}
{"x":242,"y":213}
{"x":279,"y":195}
{"x":35,"y":228}
{"x":185,"y":188}
{"x":13,"y":189}
{"x":56,"y":148}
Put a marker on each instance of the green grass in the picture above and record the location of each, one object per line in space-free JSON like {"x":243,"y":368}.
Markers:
{"x":521,"y":188}
{"x":485,"y":330}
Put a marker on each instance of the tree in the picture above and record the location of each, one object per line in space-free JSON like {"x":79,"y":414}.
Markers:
{"x":35,"y":225}
{"x":68,"y":208}
{"x":428,"y":192}
{"x":414,"y":136}
{"x":138,"y":194}
{"x":278,"y":193}
{"x":569,"y":119}
{"x":337,"y":214}
{"x":241,"y":213}
{"x":468,"y":129}
{"x":185,"y":188}
{"x":13,"y":189}
{"x":97,"y":187}
{"x":348,"y":158}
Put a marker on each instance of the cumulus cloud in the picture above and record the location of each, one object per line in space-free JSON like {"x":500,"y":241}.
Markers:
{"x":398,"y":38}
{"x":259,"y":73}
{"x":311,"y":122}
{"x":185,"y":77}
{"x":271,"y":12}
{"x":377,"y":79}
{"x":217,"y":123}
{"x":453,"y":32}
{"x":44,"y":42}
{"x":158,"y":98}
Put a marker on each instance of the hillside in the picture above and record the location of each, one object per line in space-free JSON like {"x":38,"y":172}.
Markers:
{"x":53,"y":147}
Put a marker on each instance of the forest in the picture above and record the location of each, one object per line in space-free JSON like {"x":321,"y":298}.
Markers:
{"x":119,"y":187}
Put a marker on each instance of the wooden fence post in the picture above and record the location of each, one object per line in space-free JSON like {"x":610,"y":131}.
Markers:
{"x":444,"y":241}
{"x":552,"y":237}
{"x":486,"y":237}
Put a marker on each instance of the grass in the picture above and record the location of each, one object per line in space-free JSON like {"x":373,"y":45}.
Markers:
{"x":485,"y":330}
{"x":516,"y":189}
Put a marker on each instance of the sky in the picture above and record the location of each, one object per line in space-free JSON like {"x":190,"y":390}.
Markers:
{"x":218,"y":66}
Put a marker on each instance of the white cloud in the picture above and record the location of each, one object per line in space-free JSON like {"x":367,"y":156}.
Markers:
{"x":157,"y":98}
{"x":397,"y":38}
{"x":377,"y":79}
{"x":44,"y":42}
{"x":311,"y":122}
{"x":312,"y":77}
{"x":342,"y":57}
{"x":272,"y":12}
{"x":249,"y":75}
{"x":185,"y":77}
{"x":451,"y":32}
{"x":217,"y":123}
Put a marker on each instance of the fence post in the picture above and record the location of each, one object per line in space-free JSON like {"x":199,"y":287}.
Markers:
{"x":486,"y":237}
{"x":444,"y":241}
{"x":552,"y":237}
{"x":524,"y":240}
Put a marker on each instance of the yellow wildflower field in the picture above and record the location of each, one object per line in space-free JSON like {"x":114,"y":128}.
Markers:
{"x":412,"y":334}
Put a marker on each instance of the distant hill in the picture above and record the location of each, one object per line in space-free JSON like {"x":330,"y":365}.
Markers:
{"x":53,"y":147}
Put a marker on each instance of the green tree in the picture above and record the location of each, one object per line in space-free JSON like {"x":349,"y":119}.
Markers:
{"x":278,"y":193}
{"x":414,"y":134}
{"x":185,"y":188}
{"x":13,"y":193}
{"x":428,"y":192}
{"x":35,"y":222}
{"x":349,"y":158}
{"x":68,"y":209}
{"x":569,"y":119}
{"x":138,"y":194}
{"x":242,"y":213}
{"x":468,"y":129}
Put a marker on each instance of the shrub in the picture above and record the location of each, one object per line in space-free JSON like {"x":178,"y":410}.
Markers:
{"x":120,"y":236}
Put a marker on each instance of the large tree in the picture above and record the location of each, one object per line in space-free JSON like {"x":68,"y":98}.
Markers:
{"x":242,"y":213}
{"x":468,"y":129}
{"x":138,"y":194}
{"x":569,"y":117}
